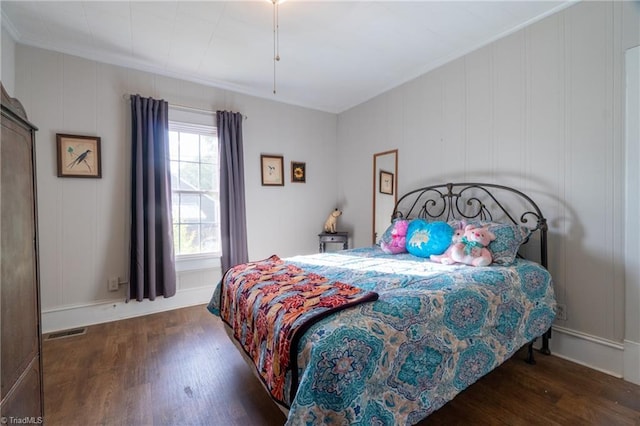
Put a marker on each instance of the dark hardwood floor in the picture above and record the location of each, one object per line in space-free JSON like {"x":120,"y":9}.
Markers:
{"x":179,"y":368}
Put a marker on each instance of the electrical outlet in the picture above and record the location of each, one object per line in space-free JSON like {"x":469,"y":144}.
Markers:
{"x":561,"y":312}
{"x":113,"y":284}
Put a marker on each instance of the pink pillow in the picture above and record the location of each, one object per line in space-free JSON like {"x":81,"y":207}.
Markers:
{"x":394,"y":239}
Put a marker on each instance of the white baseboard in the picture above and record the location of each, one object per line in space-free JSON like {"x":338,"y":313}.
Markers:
{"x":66,"y":317}
{"x":632,"y":361}
{"x":594,"y":352}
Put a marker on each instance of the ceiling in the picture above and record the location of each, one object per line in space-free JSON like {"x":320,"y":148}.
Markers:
{"x":334,"y":54}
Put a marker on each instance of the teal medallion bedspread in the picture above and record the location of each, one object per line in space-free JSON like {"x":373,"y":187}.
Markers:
{"x":434,"y":330}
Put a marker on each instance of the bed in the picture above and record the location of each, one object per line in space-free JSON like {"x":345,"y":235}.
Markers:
{"x":365,"y":337}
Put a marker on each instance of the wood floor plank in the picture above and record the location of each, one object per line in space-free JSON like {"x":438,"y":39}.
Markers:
{"x":179,"y":368}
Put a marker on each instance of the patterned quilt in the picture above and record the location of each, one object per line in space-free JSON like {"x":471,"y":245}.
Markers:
{"x":434,"y":330}
{"x":269,"y":304}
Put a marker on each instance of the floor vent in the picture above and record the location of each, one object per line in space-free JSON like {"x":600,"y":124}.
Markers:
{"x":67,"y":333}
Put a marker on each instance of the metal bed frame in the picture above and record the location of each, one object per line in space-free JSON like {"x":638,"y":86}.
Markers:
{"x":479,"y":201}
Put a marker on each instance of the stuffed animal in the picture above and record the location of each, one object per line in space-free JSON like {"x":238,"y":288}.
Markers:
{"x":471,"y":249}
{"x":445,"y":258}
{"x":458,"y":232}
{"x":394,"y":239}
{"x":331,"y":222}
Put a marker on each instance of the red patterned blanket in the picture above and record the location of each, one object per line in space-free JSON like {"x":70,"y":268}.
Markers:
{"x":269,"y":304}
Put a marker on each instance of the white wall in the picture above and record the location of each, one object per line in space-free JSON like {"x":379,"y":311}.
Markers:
{"x":7,"y":61}
{"x":541,"y":110}
{"x":84,"y":223}
{"x":632,"y":247}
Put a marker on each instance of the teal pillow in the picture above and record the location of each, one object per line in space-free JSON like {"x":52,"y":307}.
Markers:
{"x":509,"y":238}
{"x":427,"y":238}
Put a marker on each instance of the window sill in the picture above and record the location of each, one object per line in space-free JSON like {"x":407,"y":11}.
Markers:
{"x":195,"y":262}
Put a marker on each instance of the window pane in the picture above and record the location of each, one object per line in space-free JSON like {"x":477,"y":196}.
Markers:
{"x":176,"y":239}
{"x":175,"y":177}
{"x":210,"y":240}
{"x":209,"y":149}
{"x":207,"y":181}
{"x":174,"y":142}
{"x":194,"y":167}
{"x":189,"y":239}
{"x":189,"y":147}
{"x":189,"y":208}
{"x":189,"y":176}
{"x":175,"y":208}
{"x":209,"y":209}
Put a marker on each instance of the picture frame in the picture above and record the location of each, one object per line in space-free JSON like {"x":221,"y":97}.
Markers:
{"x":298,"y":172}
{"x":386,"y":182}
{"x":78,"y":156}
{"x":272,"y":170}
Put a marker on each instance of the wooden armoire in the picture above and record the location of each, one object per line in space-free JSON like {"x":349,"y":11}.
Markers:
{"x":20,"y":342}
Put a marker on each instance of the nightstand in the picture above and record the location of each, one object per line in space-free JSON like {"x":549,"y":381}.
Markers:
{"x":338,"y":237}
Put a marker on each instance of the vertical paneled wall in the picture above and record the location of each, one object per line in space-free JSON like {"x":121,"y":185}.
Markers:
{"x":84,"y":223}
{"x":632,"y":209}
{"x":540,"y":110}
{"x":7,"y":61}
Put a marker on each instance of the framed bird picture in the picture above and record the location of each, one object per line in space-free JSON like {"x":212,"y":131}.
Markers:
{"x":272,"y":170}
{"x":78,"y":156}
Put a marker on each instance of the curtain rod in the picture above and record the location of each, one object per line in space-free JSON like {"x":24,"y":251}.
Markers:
{"x":185,"y":107}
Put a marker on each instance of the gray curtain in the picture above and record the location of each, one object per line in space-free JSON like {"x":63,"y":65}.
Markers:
{"x":152,"y":268}
{"x":233,"y":219}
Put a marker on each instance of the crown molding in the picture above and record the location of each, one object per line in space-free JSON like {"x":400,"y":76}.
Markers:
{"x":11,"y":29}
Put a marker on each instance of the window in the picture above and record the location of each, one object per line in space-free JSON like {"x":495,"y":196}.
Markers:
{"x":195,"y":189}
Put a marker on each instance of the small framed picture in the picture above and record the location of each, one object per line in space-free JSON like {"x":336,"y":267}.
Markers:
{"x":386,"y":182}
{"x":298,"y":172}
{"x":272,"y":167}
{"x":78,"y":156}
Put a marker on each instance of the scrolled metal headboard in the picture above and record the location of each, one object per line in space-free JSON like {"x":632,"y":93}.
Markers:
{"x":480,"y":201}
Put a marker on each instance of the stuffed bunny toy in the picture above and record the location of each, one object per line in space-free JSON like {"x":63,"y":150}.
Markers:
{"x":470,"y":249}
